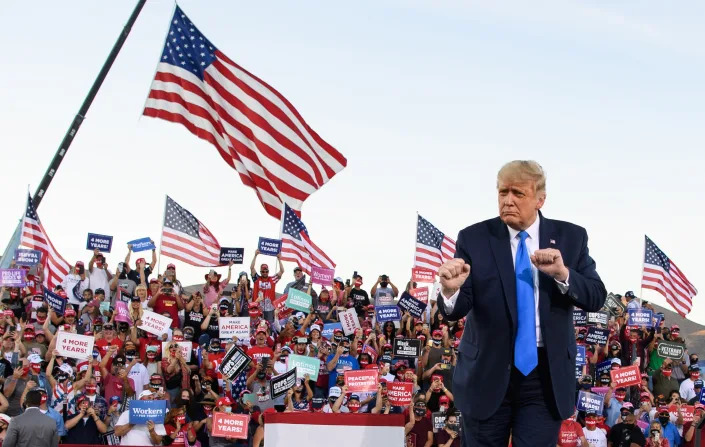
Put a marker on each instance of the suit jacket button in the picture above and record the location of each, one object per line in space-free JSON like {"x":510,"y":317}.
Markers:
{"x":509,"y":367}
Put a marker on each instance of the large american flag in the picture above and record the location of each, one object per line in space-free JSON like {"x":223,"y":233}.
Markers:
{"x":297,"y":246}
{"x":34,"y":237}
{"x":253,"y":127}
{"x":662,"y":275}
{"x":185,"y":238}
{"x":433,"y":248}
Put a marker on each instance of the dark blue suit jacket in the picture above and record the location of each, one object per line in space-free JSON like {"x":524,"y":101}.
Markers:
{"x":488,"y":298}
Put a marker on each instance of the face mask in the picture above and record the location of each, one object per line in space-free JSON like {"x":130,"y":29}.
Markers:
{"x":442,"y":408}
{"x":261,"y":375}
{"x":624,"y":417}
{"x":694,"y":376}
{"x":591,"y":424}
{"x":581,"y":336}
{"x":453,"y":427}
{"x":36,"y":368}
{"x":130,"y":353}
{"x":353,"y":407}
{"x":364,"y":363}
{"x":620,"y":397}
{"x":151,"y":355}
{"x":384,"y":284}
{"x":181,"y":419}
{"x":208,"y":410}
{"x":419,"y":411}
{"x":694,"y":360}
{"x":667,"y":372}
{"x":605,"y":380}
{"x":41,"y":320}
{"x":43,"y":399}
{"x":227,"y":409}
{"x":29,"y":337}
{"x":586,"y":386}
{"x":90,"y":389}
{"x":436,"y":342}
{"x":664,"y":420}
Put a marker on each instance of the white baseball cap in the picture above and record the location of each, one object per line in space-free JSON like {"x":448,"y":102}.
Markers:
{"x":145,"y":393}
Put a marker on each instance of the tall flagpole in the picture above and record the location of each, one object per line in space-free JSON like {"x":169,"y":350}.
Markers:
{"x":161,"y":237}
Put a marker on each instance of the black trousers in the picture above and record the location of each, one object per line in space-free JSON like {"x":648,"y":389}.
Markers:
{"x":528,"y":412}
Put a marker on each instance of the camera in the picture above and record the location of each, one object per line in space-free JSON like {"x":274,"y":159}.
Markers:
{"x":385,"y":278}
{"x":168,"y":290}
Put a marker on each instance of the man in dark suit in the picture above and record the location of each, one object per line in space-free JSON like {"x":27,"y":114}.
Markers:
{"x":517,"y":277}
{"x":32,"y":428}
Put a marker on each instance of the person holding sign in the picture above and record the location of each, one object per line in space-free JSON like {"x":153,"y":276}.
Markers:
{"x":213,"y":287}
{"x":263,"y":290}
{"x":450,"y":435}
{"x":295,"y":398}
{"x":517,"y":356}
{"x":85,"y":426}
{"x":138,"y":435}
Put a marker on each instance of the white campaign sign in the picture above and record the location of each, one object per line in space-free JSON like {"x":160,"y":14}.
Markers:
{"x":349,"y":321}
{"x":184,"y":345}
{"x":154,"y":323}
{"x":234,"y":327}
{"x":73,"y":345}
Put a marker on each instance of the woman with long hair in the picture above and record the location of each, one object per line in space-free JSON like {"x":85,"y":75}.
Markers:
{"x":213,"y":288}
{"x":242,"y":294}
{"x":194,"y":313}
{"x":176,"y":371}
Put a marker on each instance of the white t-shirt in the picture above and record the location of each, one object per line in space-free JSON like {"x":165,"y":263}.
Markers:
{"x":139,"y":434}
{"x":140,"y":376}
{"x":99,"y":280}
{"x":596,"y":437}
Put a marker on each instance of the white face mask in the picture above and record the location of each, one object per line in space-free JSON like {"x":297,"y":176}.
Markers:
{"x":227,"y":409}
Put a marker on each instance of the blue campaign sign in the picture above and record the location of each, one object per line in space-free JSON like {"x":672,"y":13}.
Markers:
{"x":55,"y":302}
{"x":580,"y":356}
{"x":26,"y":257}
{"x":702,"y":397}
{"x":142,"y":411}
{"x":578,"y":372}
{"x":603,"y":367}
{"x":269,"y":247}
{"x":657,"y":320}
{"x":328,"y":329}
{"x":100,"y":241}
{"x":590,"y":402}
{"x":387,"y":313}
{"x":142,"y":244}
{"x":640,"y":317}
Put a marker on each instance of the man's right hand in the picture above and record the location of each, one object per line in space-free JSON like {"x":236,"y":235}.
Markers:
{"x":453,"y":275}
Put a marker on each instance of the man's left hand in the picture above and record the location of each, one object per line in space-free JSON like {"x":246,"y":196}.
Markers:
{"x":550,"y":262}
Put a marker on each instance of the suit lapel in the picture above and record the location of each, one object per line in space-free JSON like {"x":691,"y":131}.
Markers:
{"x":502,"y":251}
{"x":547,"y":239}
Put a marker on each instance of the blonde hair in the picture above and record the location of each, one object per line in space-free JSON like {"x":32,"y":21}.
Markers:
{"x":523,"y":170}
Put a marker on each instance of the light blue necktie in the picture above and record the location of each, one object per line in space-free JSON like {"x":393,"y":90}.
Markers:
{"x":525,"y":353}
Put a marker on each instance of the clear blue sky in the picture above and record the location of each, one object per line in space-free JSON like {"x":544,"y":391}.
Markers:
{"x":426,"y":99}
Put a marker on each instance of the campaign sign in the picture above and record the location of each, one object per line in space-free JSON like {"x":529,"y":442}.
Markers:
{"x":603,"y":367}
{"x":234,"y":362}
{"x":142,"y":411}
{"x":612,"y":303}
{"x":420,"y":294}
{"x":419,"y":274}
{"x":328,"y":329}
{"x":230,"y":327}
{"x":270,"y":247}
{"x":702,"y":398}
{"x":687,"y":411}
{"x":322,"y":276}
{"x":12,"y":278}
{"x":597,"y":336}
{"x":304,"y":365}
{"x":407,"y":347}
{"x":658,"y":318}
{"x":400,"y":393}
{"x":410,"y":304}
{"x":122,"y":314}
{"x":578,"y":372}
{"x":590,"y":402}
{"x":602,"y":390}
{"x":55,"y":302}
{"x":671,"y":350}
{"x":73,"y":345}
{"x":387,"y":313}
{"x":362,"y":381}
{"x":598,"y":318}
{"x":579,"y":317}
{"x":282,"y":383}
{"x":154,"y":323}
{"x":580,"y":356}
{"x":298,"y":300}
{"x":227,"y":254}
{"x":641,"y":317}
{"x":228,"y":425}
{"x":439,"y":421}
{"x":100,"y":241}
{"x":280,"y":306}
{"x":348,"y":318}
{"x":27,"y":257}
{"x":185,"y":346}
{"x":142,"y":244}
{"x":626,"y":376}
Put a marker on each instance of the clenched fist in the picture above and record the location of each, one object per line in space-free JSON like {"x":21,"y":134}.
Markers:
{"x":550,"y":261}
{"x":453,"y":275}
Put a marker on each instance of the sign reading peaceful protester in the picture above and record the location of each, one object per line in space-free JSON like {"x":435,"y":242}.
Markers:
{"x":641,"y":317}
{"x":400,"y":393}
{"x":154,"y":323}
{"x":234,"y":362}
{"x":626,"y":376}
{"x":100,"y":241}
{"x":142,"y":411}
{"x":349,"y":321}
{"x":27,"y":257}
{"x":227,"y":254}
{"x":228,"y":425}
{"x":55,"y":302}
{"x":387,"y":313}
{"x":580,"y":356}
{"x":230,"y":327}
{"x":269,"y":247}
{"x":12,"y":278}
{"x":407,"y":347}
{"x":322,"y":276}
{"x":597,"y":336}
{"x":303,"y":365}
{"x":419,"y":274}
{"x":598,"y":318}
{"x":142,"y":244}
{"x":590,"y":402}
{"x":184,"y":346}
{"x":410,"y":304}
{"x":579,"y":317}
{"x":282,"y":383}
{"x":298,"y":300}
{"x":75,"y":346}
{"x":362,"y":381}
{"x":670,"y":350}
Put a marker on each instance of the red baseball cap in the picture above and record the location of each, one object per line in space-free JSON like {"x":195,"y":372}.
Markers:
{"x":225,"y":400}
{"x":264,"y":266}
{"x":171,"y":266}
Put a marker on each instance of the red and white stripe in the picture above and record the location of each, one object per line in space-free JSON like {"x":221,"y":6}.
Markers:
{"x":432,"y":258}
{"x":203,"y":252}
{"x":253,"y":127}
{"x":673,"y":285}
{"x":34,"y":237}
{"x":304,"y":252}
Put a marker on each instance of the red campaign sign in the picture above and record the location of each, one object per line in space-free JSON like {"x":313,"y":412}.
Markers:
{"x":419,"y":274}
{"x":400,"y":393}
{"x":688,"y":411}
{"x":280,"y":305}
{"x":227,"y":425}
{"x":361,"y":381}
{"x":420,"y":294}
{"x":626,"y":376}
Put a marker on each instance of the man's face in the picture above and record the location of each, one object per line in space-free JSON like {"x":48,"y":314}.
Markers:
{"x":298,"y":274}
{"x":264,"y":272}
{"x":518,"y":203}
{"x":87,"y":295}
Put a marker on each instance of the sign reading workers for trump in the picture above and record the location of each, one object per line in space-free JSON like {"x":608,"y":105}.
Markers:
{"x":100,"y":241}
{"x":12,"y":278}
{"x":73,"y":345}
{"x":228,"y":425}
{"x":626,"y":376}
{"x":419,"y":274}
{"x":400,"y":393}
{"x":362,"y":381}
{"x":142,"y":411}
{"x":322,"y":276}
{"x":590,"y":402}
{"x":269,"y":247}
{"x":142,"y":244}
{"x":154,"y":323}
{"x":230,"y":327}
{"x":27,"y":257}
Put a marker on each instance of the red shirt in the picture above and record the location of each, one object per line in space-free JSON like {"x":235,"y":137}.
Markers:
{"x":177,"y":437}
{"x":686,"y":427}
{"x":167,"y":303}
{"x":266,"y":285}
{"x":113,"y":386}
{"x":570,"y":434}
{"x":102,"y":346}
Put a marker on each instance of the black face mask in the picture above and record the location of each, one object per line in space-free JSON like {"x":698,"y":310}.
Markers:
{"x":261,"y":375}
{"x":664,"y":420}
{"x":581,"y":336}
{"x":419,"y":411}
{"x":437,"y":342}
{"x":585,"y":386}
{"x":453,"y":427}
{"x":384,"y":284}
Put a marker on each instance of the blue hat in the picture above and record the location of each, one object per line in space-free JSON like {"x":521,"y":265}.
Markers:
{"x":204,"y":339}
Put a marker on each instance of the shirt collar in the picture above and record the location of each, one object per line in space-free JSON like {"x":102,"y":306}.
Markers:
{"x":533,"y":230}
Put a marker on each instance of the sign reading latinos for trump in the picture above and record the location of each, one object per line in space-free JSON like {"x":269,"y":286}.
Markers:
{"x":670,"y":350}
{"x":419,"y":274}
{"x":185,"y":347}
{"x":362,"y":381}
{"x":580,"y":356}
{"x":322,"y":276}
{"x":12,"y":278}
{"x":100,"y":241}
{"x":142,"y":244}
{"x":154,"y":323}
{"x":234,"y":362}
{"x":303,"y":365}
{"x":641,"y":317}
{"x":228,"y":425}
{"x":626,"y":376}
{"x":598,"y":318}
{"x":142,"y":411}
{"x":407,"y":347}
{"x":230,"y":327}
{"x":269,"y":247}
{"x":55,"y":302}
{"x":400,"y":393}
{"x":410,"y":304}
{"x":227,"y":254}
{"x":298,"y":300}
{"x":579,"y":317}
{"x":420,"y":294}
{"x":597,"y":336}
{"x":282,"y":383}
{"x":590,"y":402}
{"x":26,"y":257}
{"x":387,"y":313}
{"x":73,"y":345}
{"x":348,"y":318}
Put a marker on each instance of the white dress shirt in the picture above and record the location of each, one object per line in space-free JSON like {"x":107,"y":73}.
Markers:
{"x":532,"y":244}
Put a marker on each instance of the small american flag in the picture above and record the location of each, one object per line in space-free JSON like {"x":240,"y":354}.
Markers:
{"x":254,"y":128}
{"x":185,"y":238}
{"x":662,"y":275}
{"x":34,"y":237}
{"x":433,"y":248}
{"x":297,"y":245}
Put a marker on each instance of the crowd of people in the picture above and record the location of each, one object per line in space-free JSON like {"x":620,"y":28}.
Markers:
{"x":89,"y":399}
